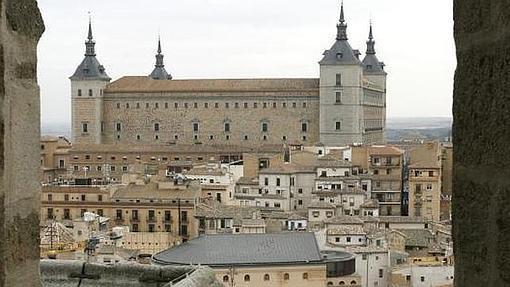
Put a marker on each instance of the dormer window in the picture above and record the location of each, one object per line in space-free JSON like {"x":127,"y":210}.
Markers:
{"x":90,"y":92}
{"x":339,"y":56}
{"x":79,"y":92}
{"x":369,"y":67}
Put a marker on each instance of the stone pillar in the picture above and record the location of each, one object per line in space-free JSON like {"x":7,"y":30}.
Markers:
{"x":21,"y":26}
{"x":481,"y":136}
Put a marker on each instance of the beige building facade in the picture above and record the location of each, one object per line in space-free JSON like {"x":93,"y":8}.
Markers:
{"x":425,"y":181}
{"x":147,"y":208}
{"x":384,"y":166}
{"x":305,"y":275}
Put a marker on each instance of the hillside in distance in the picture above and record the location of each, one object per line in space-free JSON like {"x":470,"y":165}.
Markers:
{"x":417,"y":129}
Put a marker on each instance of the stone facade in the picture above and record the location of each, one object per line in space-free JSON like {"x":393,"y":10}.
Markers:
{"x":345,"y":105}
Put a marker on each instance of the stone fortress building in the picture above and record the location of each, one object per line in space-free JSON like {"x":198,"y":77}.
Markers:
{"x":345,"y":105}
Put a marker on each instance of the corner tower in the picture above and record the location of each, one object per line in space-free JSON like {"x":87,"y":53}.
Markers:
{"x":374,"y":95}
{"x":87,"y":85}
{"x":341,"y":91}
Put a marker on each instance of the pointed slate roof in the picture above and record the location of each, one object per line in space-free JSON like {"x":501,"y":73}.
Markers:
{"x":159,"y":72}
{"x":341,"y":52}
{"x":90,"y":68}
{"x":371,"y":64}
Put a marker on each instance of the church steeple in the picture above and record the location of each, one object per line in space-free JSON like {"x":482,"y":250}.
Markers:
{"x":159,"y":72}
{"x":341,"y":26}
{"x":370,"y":42}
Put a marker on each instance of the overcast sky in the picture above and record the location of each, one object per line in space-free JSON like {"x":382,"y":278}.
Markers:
{"x":250,"y":39}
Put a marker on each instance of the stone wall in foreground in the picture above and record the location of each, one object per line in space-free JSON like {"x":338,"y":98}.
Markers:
{"x":481,"y":136}
{"x":57,"y":273}
{"x":21,"y":26}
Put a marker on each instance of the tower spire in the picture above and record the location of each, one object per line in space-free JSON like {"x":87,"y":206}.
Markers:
{"x":159,"y":72}
{"x":370,"y":42}
{"x":90,"y":28}
{"x":159,"y":44}
{"x":341,"y":26}
{"x":342,"y":18}
{"x":90,"y":43}
{"x":159,"y":56}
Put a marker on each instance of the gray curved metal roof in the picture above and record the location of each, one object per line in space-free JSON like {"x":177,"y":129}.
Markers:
{"x":244,"y":249}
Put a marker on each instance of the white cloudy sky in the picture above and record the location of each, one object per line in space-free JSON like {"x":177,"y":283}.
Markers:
{"x":250,"y":38}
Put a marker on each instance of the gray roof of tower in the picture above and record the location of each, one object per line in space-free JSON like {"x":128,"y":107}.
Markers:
{"x":159,"y":73}
{"x":244,"y":249}
{"x":371,"y":65}
{"x":90,"y":69}
{"x":340,"y":53}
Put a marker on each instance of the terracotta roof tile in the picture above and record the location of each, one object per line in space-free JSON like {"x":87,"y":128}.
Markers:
{"x":141,"y":84}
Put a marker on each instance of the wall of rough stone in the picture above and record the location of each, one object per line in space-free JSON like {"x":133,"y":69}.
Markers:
{"x":21,"y":25}
{"x":481,"y":133}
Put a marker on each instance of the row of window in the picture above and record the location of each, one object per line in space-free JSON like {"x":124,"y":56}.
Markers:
{"x":90,"y":92}
{"x":110,"y":168}
{"x":264,"y":127}
{"x":267,"y":277}
{"x":353,"y":282}
{"x":50,"y":214}
{"x":153,"y":158}
{"x":347,"y":239}
{"x":196,"y":128}
{"x":245,"y":105}
{"x":82,"y":197}
{"x":212,"y":137}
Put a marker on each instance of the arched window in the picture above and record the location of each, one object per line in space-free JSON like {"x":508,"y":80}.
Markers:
{"x":353,"y":282}
{"x":305,"y":275}
{"x":341,"y":283}
{"x":225,"y":278}
{"x":246,"y":278}
{"x":266,"y":277}
{"x":330,"y":283}
{"x":286,"y":276}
